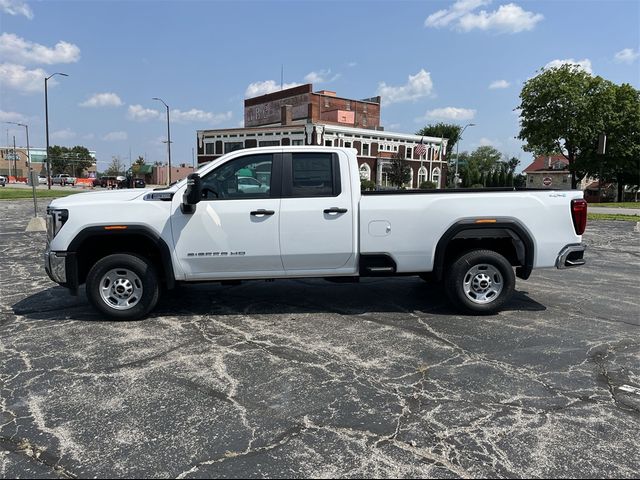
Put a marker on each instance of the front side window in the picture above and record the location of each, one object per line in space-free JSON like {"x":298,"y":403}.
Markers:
{"x":312,"y":175}
{"x":241,"y":178}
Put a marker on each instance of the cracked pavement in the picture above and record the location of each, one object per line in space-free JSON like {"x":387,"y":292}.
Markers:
{"x":308,"y":378}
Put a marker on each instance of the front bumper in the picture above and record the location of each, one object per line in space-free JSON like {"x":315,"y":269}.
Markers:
{"x":571,"y":256}
{"x":61,"y":267}
{"x":55,"y":266}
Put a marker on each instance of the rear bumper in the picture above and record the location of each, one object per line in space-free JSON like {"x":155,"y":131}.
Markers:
{"x":571,"y":256}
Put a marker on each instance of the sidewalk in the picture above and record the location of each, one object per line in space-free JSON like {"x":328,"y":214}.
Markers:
{"x":619,"y":211}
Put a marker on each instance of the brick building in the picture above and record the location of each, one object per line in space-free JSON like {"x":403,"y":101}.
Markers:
{"x":298,"y":116}
{"x":20,"y":166}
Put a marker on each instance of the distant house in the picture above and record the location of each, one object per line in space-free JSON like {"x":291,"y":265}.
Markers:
{"x":549,"y":171}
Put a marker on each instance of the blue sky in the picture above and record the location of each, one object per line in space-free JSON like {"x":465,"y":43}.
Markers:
{"x":431,"y":61}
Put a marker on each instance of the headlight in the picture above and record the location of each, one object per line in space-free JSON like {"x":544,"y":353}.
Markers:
{"x":56,"y":218}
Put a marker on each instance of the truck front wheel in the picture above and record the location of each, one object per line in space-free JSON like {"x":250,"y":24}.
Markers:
{"x":123,"y":286}
{"x":480,"y":281}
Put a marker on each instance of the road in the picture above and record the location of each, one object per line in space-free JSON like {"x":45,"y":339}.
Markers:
{"x":313,"y":379}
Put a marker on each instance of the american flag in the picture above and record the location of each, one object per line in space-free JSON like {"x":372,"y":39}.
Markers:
{"x":420,"y":149}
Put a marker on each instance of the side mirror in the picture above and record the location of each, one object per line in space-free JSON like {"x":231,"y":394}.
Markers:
{"x":193,"y":194}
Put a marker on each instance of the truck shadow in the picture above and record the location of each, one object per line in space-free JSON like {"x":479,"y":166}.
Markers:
{"x":302,"y":296}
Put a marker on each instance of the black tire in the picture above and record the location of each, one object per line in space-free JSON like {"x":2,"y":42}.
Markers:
{"x":123,"y":286}
{"x":480,"y":282}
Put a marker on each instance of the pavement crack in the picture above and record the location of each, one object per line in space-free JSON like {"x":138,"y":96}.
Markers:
{"x":22,"y":446}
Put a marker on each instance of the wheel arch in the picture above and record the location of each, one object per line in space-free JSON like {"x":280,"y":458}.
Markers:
{"x":506,"y":235}
{"x":93,"y":243}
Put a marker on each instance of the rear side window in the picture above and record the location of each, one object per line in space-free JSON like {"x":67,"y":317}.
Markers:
{"x":314,"y":175}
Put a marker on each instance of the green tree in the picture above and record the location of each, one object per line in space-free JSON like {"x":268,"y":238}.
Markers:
{"x":561,"y":110}
{"x":135,"y":168}
{"x":73,"y":161}
{"x":621,"y":162}
{"x":450,"y":131}
{"x":398,"y":170}
{"x":115,"y":168}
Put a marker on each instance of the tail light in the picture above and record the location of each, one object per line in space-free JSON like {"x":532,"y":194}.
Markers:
{"x":579,"y":215}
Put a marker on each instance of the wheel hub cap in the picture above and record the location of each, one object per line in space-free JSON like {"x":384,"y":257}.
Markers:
{"x":121,"y":289}
{"x":483,"y":283}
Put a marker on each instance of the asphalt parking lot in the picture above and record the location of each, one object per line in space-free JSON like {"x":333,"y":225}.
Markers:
{"x":313,"y":379}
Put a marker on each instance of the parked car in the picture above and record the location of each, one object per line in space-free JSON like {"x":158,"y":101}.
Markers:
{"x":42,"y":180}
{"x":63,"y":179}
{"x":313,"y":221}
{"x":3,"y":181}
{"x":251,"y":185}
{"x":139,"y":183}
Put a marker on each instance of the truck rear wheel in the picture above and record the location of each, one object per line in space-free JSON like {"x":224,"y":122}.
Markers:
{"x":123,"y":286}
{"x":480,"y":281}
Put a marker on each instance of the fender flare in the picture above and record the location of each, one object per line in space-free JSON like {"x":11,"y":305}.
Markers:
{"x":100,"y":231}
{"x":501,"y":228}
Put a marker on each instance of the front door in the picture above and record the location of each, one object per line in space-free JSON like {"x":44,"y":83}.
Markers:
{"x":234,"y":231}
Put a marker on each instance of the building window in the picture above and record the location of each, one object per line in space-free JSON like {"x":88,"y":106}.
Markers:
{"x":364,"y":108}
{"x":435,"y":177}
{"x":209,"y":149}
{"x":530,"y":179}
{"x":269,"y":143}
{"x":328,"y":143}
{"x":326,"y":102}
{"x":422,"y":176}
{"x":348,"y":105}
{"x":408,"y":151}
{"x":365,"y":172}
{"x":297,"y":142}
{"x":365,"y":149}
{"x":347,"y":144}
{"x":232,"y":146}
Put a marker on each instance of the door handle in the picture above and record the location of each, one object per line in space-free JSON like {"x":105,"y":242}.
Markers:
{"x":335,"y":210}
{"x":261,"y":212}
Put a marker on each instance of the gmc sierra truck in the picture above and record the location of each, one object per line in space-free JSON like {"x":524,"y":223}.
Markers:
{"x":63,"y":179}
{"x":302,"y":214}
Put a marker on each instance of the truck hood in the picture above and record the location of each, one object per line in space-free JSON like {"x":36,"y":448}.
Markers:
{"x":108,"y":196}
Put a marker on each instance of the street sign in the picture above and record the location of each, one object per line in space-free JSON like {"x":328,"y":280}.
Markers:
{"x":546,"y":181}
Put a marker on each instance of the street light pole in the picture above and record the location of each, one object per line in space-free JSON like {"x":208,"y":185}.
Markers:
{"x":33,"y":185}
{"x":168,"y":137}
{"x":458,"y":150}
{"x":46,"y":115}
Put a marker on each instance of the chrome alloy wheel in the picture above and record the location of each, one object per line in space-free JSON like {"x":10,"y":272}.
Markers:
{"x":121,"y":288}
{"x":482,"y":283}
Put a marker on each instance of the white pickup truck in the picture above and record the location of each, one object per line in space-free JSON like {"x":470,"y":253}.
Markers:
{"x":303,"y":215}
{"x":63,"y":179}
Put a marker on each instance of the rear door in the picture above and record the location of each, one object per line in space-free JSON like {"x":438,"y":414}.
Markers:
{"x":316,"y":215}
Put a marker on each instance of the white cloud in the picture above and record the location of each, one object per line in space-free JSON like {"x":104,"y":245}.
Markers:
{"x":115,"y":136}
{"x":323,"y":76}
{"x":262,"y":88}
{"x":418,"y":86}
{"x":195,"y":115}
{"x":12,"y":117}
{"x":20,"y":50}
{"x":65,"y":134}
{"x":88,"y":136}
{"x":584,"y":64}
{"x":509,"y":18}
{"x":450,"y":113}
{"x":18,"y":77}
{"x":484,"y":141}
{"x":102,"y":100}
{"x":499,"y":84}
{"x":141,"y":114}
{"x":352,"y":64}
{"x":16,"y":7}
{"x":443,"y":18}
{"x":627,"y":55}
